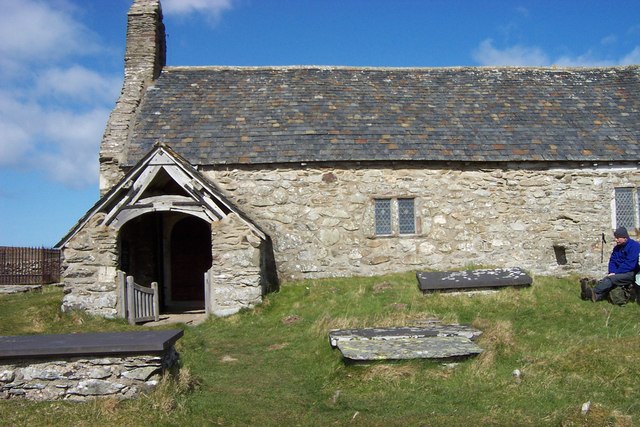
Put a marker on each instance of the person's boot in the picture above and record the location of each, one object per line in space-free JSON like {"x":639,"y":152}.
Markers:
{"x":588,"y":293}
{"x":585,"y":290}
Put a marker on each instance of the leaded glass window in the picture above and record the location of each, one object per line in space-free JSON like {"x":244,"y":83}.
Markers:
{"x":383,"y":216}
{"x":406,"y":216}
{"x":394,"y":216}
{"x":625,"y":208}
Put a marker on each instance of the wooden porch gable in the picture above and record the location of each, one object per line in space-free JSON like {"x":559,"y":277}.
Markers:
{"x":161,"y":182}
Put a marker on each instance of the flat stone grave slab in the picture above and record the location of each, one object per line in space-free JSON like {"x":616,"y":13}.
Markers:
{"x":431,"y":281}
{"x":408,"y":348}
{"x":437,"y":330}
{"x":432,"y":342}
{"x":84,"y":344}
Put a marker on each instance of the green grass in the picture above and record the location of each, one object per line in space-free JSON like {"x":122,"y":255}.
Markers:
{"x":273,"y":366}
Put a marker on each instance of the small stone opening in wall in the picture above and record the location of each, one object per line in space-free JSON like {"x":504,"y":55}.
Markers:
{"x":561,"y":254}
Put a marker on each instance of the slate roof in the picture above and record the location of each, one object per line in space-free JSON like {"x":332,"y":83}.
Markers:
{"x":256,"y":115}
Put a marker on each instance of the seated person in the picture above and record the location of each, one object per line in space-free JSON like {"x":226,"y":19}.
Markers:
{"x":623,"y":266}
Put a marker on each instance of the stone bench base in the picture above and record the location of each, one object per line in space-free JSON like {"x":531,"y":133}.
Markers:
{"x":61,"y":367}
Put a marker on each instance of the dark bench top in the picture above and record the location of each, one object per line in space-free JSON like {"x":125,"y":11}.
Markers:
{"x":472,"y":279}
{"x":88,"y":344}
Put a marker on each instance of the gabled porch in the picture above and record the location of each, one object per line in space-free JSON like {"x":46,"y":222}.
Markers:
{"x":166,"y":223}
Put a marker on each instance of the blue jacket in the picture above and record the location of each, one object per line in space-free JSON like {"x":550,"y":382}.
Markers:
{"x":624,"y":258}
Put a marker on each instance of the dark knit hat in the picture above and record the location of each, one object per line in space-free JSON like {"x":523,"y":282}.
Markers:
{"x":621,"y":232}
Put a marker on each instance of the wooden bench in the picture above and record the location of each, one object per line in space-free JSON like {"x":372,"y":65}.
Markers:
{"x":433,"y":281}
{"x":85,"y":365}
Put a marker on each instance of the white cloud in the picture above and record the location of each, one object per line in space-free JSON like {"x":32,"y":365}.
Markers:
{"x":609,"y":40}
{"x":72,"y":156}
{"x":79,"y":83}
{"x":487,"y":54}
{"x":212,"y":8}
{"x":53,"y":110}
{"x":587,"y":59}
{"x":33,"y":31}
{"x":63,"y":143}
{"x":14,"y":143}
{"x":15,"y":130}
{"x":632,"y":57}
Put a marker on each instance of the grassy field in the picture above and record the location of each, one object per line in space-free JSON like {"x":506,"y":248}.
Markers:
{"x":273,"y":366}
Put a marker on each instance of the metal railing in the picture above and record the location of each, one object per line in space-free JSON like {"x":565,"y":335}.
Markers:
{"x":29,"y":266}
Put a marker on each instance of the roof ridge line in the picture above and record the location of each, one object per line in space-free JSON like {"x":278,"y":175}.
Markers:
{"x":400,"y":68}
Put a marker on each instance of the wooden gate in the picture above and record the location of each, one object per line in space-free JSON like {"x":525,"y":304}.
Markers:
{"x":137,"y":303}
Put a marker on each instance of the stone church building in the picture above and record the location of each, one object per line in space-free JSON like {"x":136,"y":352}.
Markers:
{"x":219,"y":182}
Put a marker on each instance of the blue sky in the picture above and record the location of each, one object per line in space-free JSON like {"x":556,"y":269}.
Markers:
{"x":61,"y":68}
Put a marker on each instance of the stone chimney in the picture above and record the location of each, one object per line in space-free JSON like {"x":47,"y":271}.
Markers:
{"x":146,"y":44}
{"x":143,"y":61}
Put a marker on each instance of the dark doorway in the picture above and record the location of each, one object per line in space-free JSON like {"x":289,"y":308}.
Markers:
{"x":141,"y":249}
{"x":172,"y":249}
{"x":190,"y":259}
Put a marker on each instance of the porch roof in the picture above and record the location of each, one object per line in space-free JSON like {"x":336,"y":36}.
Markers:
{"x":129,"y":192}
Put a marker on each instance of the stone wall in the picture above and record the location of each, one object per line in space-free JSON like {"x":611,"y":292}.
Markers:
{"x":322,"y":225}
{"x":82,"y":378}
{"x":144,"y":58}
{"x":235,"y":276}
{"x":90,"y":269}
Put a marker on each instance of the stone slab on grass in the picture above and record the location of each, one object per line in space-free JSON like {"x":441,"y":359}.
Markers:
{"x":472,"y":279}
{"x":435,"y":341}
{"x":436,"y":330}
{"x":408,"y":348}
{"x":17,"y":289}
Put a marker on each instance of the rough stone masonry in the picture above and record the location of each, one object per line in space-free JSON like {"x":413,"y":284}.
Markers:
{"x":82,"y":366}
{"x":82,"y":378}
{"x":468,"y":216}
